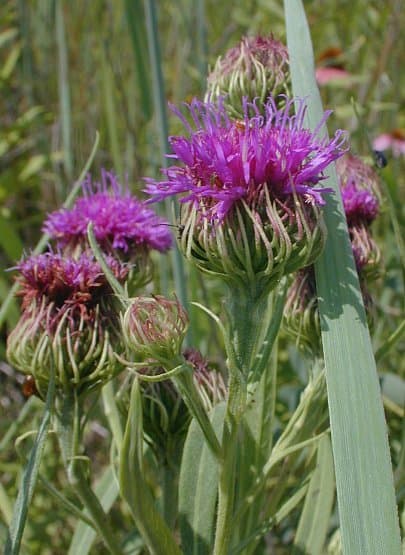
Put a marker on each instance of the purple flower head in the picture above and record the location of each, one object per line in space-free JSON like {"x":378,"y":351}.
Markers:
{"x":67,"y":284}
{"x":226,"y":162}
{"x":120,"y":220}
{"x":360,"y":190}
{"x":359,"y":204}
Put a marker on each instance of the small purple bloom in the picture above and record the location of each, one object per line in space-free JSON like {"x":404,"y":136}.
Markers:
{"x":359,"y":204}
{"x":66,"y":283}
{"x":120,"y":220}
{"x":359,"y":185}
{"x":226,"y":161}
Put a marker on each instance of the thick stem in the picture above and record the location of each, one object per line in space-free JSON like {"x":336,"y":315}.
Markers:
{"x":169,"y":483}
{"x":246,"y":309}
{"x":70,"y":443}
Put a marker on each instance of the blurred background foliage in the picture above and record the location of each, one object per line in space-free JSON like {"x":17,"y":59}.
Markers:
{"x":71,"y":68}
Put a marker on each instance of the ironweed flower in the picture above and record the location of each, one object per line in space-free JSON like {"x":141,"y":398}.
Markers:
{"x":256,"y":68}
{"x":123,"y":225}
{"x":154,"y":329}
{"x":251,"y":206}
{"x":360,"y":194}
{"x":68,"y":320}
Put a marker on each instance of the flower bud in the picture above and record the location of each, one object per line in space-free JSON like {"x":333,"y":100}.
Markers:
{"x":69,"y":322}
{"x":256,"y":68}
{"x":154,"y":329}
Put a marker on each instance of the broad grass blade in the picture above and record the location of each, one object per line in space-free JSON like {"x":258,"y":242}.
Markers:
{"x":314,"y":520}
{"x":198,"y":488}
{"x":366,"y":499}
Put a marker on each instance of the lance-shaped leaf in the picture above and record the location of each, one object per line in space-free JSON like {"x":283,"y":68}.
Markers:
{"x":366,"y":500}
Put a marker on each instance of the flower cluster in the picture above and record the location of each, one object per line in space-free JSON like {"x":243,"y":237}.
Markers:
{"x":70,"y":314}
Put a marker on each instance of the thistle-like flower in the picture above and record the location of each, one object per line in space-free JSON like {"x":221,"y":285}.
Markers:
{"x":360,"y":193}
{"x":256,"y":68}
{"x":154,"y":329}
{"x":123,"y":225}
{"x":251,"y":210}
{"x":69,"y":322}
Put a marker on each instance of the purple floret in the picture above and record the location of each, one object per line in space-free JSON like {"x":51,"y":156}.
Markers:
{"x":226,"y":161}
{"x":360,"y":204}
{"x":119,"y":219}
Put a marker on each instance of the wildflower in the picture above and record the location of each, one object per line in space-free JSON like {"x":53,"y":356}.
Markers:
{"x":258,"y":67}
{"x":331,"y":68}
{"x":68,"y":320}
{"x":123,"y":225}
{"x":360,"y":194}
{"x":359,"y":185}
{"x":154,"y":329}
{"x":394,"y":140}
{"x":251,"y":206}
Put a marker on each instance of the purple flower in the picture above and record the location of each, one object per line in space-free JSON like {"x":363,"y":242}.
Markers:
{"x":359,"y":204}
{"x":226,"y":162}
{"x":65,"y":283}
{"x":359,"y":185}
{"x":120,"y":220}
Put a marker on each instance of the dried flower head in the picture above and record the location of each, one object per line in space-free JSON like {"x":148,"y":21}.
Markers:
{"x":120,"y":221}
{"x":154,"y":329}
{"x":256,"y":68}
{"x":69,"y":320}
{"x":249,"y":185}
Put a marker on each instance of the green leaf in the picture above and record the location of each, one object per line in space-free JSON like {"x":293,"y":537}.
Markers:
{"x":29,"y":477}
{"x":364,"y":481}
{"x":134,"y":488}
{"x":314,"y":521}
{"x":198,"y":488}
{"x":107,"y":490}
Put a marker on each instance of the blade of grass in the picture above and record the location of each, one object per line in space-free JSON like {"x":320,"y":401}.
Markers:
{"x":364,"y":481}
{"x":29,"y":477}
{"x":64,"y":93}
{"x":159,"y":104}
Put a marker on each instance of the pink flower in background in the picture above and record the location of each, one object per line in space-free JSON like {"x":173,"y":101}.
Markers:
{"x":325,"y":75}
{"x":395,"y":141}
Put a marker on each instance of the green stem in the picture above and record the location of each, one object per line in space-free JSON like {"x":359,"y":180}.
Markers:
{"x":169,"y":494}
{"x":185,"y":385}
{"x":70,"y":442}
{"x":246,"y":310}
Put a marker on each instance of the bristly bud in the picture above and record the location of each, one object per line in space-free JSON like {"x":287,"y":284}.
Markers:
{"x":154,"y":329}
{"x":69,"y":321}
{"x":123,"y":226}
{"x":258,"y":67}
{"x":251,"y":210}
{"x":209,"y":382}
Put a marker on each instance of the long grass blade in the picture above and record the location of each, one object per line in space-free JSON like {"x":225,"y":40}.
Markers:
{"x":364,"y":481}
{"x":29,"y":478}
